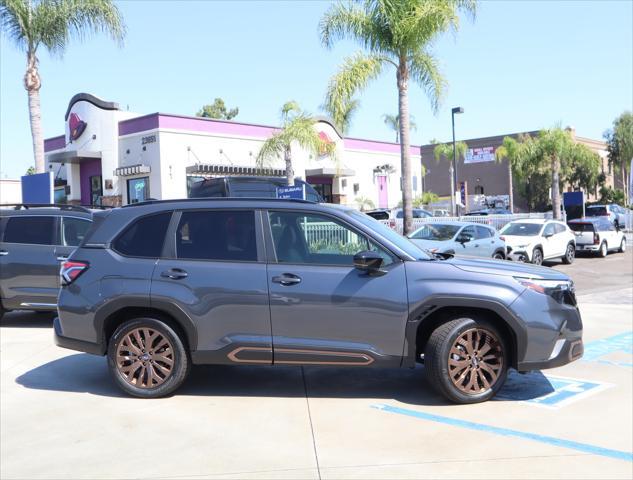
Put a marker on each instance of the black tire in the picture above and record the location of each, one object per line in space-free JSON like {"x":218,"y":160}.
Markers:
{"x":2,"y":311}
{"x":604,"y":251}
{"x":570,"y":254}
{"x":175,"y":350}
{"x":622,"y":248}
{"x":537,"y":256}
{"x":498,"y":255}
{"x":438,"y":354}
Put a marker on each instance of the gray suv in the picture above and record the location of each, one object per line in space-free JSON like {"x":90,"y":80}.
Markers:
{"x":34,"y":240}
{"x":161,"y":285}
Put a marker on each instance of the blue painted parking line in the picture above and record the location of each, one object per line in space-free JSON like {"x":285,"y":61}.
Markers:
{"x":549,"y":391}
{"x":622,"y":343}
{"x":506,"y":432}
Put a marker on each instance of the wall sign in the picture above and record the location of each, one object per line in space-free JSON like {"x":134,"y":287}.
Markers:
{"x":76,"y":126}
{"x":480,"y":155}
{"x":148,"y":139}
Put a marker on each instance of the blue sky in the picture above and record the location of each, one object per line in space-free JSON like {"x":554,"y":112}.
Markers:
{"x":521,"y":65}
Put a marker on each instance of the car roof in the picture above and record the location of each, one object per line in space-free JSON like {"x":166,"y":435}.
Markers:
{"x":537,"y":221}
{"x":36,"y":210}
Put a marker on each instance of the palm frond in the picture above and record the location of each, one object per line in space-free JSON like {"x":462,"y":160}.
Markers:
{"x":352,"y":22}
{"x":425,"y":72}
{"x":354,"y":75}
{"x":15,"y":22}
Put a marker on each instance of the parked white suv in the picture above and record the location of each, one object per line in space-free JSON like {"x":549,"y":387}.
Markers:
{"x":536,"y":240}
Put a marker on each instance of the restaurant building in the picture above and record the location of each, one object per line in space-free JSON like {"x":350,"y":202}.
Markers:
{"x":114,"y":157}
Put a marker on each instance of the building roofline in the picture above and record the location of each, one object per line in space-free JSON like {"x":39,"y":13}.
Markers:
{"x":96,"y":101}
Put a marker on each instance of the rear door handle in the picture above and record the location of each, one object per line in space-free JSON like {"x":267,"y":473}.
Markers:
{"x":3,"y":253}
{"x":174,"y":274}
{"x":287,"y":279}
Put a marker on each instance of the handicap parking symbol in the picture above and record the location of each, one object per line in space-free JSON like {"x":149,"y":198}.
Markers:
{"x":548,"y":391}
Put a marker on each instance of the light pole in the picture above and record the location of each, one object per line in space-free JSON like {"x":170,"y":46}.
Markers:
{"x":454,"y":172}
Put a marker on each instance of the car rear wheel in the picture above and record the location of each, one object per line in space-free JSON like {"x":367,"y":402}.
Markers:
{"x":537,"y":256}
{"x":147,"y":358}
{"x":603,"y":250}
{"x":499,"y":256}
{"x":622,"y":248}
{"x":466,"y":360}
{"x":570,"y":254}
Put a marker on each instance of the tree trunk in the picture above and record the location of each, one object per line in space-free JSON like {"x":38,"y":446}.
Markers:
{"x":32,"y":85}
{"x":510,"y":187}
{"x":290,"y":173}
{"x":405,"y":170}
{"x":624,"y":182}
{"x":556,"y":187}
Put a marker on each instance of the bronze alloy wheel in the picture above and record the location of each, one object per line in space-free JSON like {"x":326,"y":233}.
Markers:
{"x":475,"y":361}
{"x":145,"y":358}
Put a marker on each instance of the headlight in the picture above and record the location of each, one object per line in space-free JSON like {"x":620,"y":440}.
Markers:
{"x":521,"y":246}
{"x":560,"y":290}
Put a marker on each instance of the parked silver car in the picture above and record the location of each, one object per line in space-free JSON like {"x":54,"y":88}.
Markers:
{"x":460,"y":238}
{"x":615,"y":213}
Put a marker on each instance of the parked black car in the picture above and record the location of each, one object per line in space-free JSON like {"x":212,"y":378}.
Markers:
{"x":34,"y":239}
{"x":258,"y":187}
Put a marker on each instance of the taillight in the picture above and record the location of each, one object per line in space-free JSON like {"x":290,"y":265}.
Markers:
{"x":596,"y":239}
{"x":71,"y":270}
{"x":502,"y":238}
{"x":392,"y":223}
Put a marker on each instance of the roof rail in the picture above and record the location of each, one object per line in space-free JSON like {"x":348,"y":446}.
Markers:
{"x":221,"y":199}
{"x":61,"y":206}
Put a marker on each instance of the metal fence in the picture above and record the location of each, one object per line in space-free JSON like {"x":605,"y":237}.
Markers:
{"x":496,"y":221}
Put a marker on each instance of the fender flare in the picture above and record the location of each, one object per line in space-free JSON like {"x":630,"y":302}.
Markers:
{"x":123,"y":302}
{"x":435,"y":302}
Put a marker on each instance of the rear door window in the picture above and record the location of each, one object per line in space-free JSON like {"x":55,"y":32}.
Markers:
{"x":73,"y":231}
{"x":33,"y":230}
{"x":228,"y":235}
{"x":144,"y":237}
{"x":484,"y":232}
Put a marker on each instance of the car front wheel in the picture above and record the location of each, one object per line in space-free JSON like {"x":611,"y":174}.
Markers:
{"x":537,"y":256}
{"x":147,"y":358}
{"x":622,"y":248}
{"x":466,"y":361}
{"x":570,"y":254}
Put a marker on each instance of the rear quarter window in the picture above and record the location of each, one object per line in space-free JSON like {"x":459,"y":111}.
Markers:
{"x":144,"y":237}
{"x":581,"y":227}
{"x":33,"y":230}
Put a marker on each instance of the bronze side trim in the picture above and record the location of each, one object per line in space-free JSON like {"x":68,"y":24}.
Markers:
{"x":367,"y":360}
{"x":233,"y":354}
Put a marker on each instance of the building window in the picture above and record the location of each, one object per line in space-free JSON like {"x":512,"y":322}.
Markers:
{"x":137,"y":189}
{"x":479,"y":190}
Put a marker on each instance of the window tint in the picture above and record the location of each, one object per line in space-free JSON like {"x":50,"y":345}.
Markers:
{"x":217,"y":235}
{"x":316,"y":239}
{"x":549,"y":229}
{"x":581,"y":227}
{"x":73,"y":231}
{"x":559,"y":228}
{"x":145,"y":237}
{"x":30,"y":229}
{"x":484,"y":232}
{"x":469,"y":231}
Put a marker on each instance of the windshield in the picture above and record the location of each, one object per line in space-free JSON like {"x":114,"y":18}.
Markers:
{"x":521,"y":229}
{"x":596,"y":211}
{"x":398,"y":240}
{"x":435,"y":231}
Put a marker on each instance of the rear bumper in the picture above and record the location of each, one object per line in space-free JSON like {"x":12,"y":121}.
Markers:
{"x":587,"y":248}
{"x":73,"y":343}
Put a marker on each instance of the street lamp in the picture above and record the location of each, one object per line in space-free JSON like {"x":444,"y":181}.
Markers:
{"x":454,"y":169}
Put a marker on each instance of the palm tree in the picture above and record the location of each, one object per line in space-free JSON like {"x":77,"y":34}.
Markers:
{"x":393,"y":122}
{"x":394,"y":33}
{"x":51,"y":24}
{"x":342,"y":116}
{"x":446,"y":150}
{"x":365,"y":203}
{"x":511,"y":151}
{"x":297,"y":127}
{"x":557,"y":147}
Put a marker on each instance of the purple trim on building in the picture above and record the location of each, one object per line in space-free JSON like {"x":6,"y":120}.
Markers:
{"x":377,"y":146}
{"x":54,"y":143}
{"x":87,"y":169}
{"x":223,"y":127}
{"x":138,"y":124}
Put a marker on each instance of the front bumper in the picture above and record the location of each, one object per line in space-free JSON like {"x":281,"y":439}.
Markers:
{"x":73,"y":343}
{"x":569,"y":351}
{"x":518,"y":255}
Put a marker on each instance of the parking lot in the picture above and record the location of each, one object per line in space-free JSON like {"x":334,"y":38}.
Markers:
{"x":62,"y":416}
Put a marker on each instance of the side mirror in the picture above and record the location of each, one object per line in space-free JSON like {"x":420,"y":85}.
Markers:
{"x":547,"y":235}
{"x":463,"y":238}
{"x":368,"y":261}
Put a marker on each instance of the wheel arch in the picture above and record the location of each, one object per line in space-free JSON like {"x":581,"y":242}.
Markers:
{"x":438,"y":310}
{"x":109,"y":318}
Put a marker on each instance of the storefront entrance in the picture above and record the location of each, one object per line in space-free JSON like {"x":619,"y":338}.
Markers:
{"x":323,"y":186}
{"x":91,"y":182}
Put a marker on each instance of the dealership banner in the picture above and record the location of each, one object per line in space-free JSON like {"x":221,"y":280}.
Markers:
{"x":480,"y":154}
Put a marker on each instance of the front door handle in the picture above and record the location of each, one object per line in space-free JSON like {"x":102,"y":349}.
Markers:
{"x":3,"y":253}
{"x":62,"y":258}
{"x":287,"y":279}
{"x":174,"y":274}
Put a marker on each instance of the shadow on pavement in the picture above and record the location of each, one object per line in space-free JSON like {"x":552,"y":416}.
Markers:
{"x":26,"y":319}
{"x":83,"y":373}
